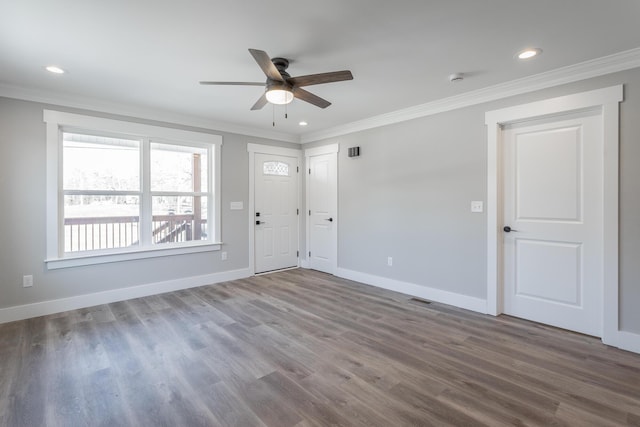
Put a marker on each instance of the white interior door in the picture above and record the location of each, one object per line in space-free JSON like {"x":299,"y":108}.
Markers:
{"x":323,"y":209}
{"x":553,"y":203}
{"x":275,"y":212}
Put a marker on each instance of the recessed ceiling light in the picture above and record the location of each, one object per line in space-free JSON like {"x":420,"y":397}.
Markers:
{"x":529,"y":53}
{"x":54,"y":69}
{"x":303,"y":123}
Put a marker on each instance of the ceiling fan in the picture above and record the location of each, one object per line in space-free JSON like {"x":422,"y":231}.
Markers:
{"x":281,"y":88}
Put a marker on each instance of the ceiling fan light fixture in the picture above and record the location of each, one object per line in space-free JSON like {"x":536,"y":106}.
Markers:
{"x":279,"y":96}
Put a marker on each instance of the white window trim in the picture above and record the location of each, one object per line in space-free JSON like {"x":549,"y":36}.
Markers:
{"x":55,"y":121}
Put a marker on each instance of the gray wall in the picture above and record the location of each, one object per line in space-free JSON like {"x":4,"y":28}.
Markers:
{"x":408,"y":196}
{"x":23,"y":217}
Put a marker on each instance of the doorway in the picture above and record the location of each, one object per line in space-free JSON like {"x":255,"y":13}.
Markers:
{"x":273,"y":208}
{"x":322,"y":208}
{"x":552,"y":235}
{"x":517,"y":140}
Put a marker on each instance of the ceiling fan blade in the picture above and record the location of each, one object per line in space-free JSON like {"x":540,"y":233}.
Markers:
{"x":316,"y":79}
{"x":261,"y":102}
{"x":310,"y":98}
{"x":265,"y":63}
{"x":233,"y":83}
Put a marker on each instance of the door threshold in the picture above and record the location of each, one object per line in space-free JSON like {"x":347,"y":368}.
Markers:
{"x":276,"y":271}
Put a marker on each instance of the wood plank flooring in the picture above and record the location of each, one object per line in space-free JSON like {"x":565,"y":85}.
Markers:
{"x":301,"y":348}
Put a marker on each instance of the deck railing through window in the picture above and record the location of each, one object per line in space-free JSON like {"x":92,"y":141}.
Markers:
{"x":87,"y":234}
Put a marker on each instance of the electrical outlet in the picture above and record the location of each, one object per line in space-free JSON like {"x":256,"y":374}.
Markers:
{"x":27,"y":281}
{"x":389,"y":261}
{"x":223,"y":256}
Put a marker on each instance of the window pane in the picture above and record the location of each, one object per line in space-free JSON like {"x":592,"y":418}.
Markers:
{"x":179,"y":218}
{"x":100,"y":163}
{"x":178,"y":168}
{"x":100,"y":222}
{"x":275,"y":168}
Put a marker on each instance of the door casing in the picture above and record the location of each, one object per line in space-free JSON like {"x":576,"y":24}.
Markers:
{"x":607,"y":100}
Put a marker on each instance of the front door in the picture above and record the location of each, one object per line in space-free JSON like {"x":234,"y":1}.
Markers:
{"x":276,"y":212}
{"x":553,"y":228}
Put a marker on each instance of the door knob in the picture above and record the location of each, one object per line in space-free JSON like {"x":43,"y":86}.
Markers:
{"x":330,"y":219}
{"x":508,"y":229}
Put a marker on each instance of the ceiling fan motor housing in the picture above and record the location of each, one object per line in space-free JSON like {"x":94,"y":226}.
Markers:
{"x":280,"y":63}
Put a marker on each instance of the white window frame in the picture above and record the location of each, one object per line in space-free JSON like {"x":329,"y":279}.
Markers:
{"x":57,"y":122}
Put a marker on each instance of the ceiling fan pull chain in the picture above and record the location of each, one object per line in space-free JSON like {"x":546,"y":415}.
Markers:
{"x":285,"y":111}
{"x":273,"y":113}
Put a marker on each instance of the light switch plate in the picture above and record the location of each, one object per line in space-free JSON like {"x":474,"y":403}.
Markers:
{"x":477,"y":206}
{"x":236,"y":206}
{"x":27,"y":281}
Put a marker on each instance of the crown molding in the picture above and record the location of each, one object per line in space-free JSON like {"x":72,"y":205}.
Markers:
{"x":584,"y":70}
{"x":97,"y":105}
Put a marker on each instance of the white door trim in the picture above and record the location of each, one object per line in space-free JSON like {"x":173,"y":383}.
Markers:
{"x":308,"y":153}
{"x":266,"y":149}
{"x":607,"y":100}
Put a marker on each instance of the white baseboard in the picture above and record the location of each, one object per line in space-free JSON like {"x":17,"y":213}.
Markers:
{"x":44,"y":308}
{"x":628,"y":341}
{"x":438,"y":295}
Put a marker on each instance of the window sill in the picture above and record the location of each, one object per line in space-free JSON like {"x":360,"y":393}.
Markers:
{"x":103,"y":257}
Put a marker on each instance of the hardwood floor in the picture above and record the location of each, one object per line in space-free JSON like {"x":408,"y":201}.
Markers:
{"x":301,"y":348}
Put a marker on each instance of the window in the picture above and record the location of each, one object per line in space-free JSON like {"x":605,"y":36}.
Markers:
{"x":179,"y":193}
{"x":275,"y":168}
{"x":120,"y":190}
{"x":101,"y":189}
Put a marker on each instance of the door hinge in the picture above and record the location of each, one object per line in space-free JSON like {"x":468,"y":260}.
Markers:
{"x":309,"y":212}
{"x":297,"y":169}
{"x":309,"y":253}
{"x":297,"y":254}
{"x":297,"y":211}
{"x":309,"y":171}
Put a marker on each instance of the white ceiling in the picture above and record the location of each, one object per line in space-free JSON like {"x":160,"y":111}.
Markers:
{"x":151,"y":54}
